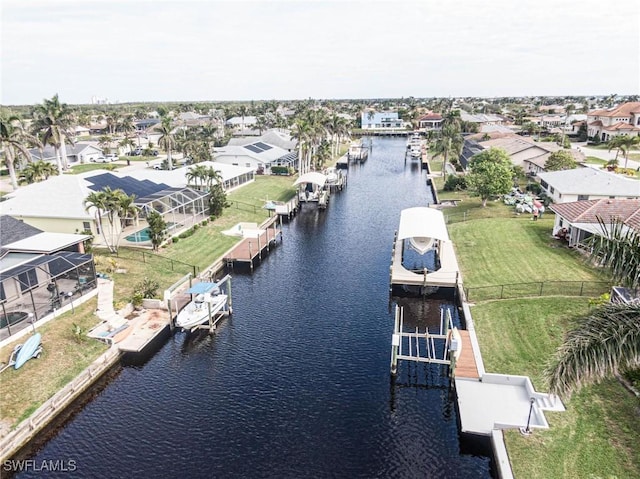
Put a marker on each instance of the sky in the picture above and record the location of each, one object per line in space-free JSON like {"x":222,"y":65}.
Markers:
{"x":210,"y":50}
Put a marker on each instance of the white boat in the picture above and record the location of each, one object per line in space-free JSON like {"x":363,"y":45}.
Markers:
{"x":200,"y":309}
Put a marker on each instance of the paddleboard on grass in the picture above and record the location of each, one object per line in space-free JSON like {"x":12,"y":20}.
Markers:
{"x":27,"y":350}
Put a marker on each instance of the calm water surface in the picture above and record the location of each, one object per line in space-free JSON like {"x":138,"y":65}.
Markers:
{"x":297,"y":383}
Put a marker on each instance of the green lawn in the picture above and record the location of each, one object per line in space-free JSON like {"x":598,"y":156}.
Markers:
{"x":515,"y":250}
{"x":77,"y":169}
{"x":598,"y":434}
{"x":24,"y":390}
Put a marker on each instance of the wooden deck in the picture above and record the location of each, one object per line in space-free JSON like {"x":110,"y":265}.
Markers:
{"x":466,"y":366}
{"x":251,"y":248}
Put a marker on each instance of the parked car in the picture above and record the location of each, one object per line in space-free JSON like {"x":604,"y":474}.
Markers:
{"x":112,"y":157}
{"x":101,"y":159}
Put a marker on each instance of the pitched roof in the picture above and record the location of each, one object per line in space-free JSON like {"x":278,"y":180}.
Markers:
{"x":591,"y":181}
{"x":621,"y":126}
{"x":12,"y":230}
{"x":626,"y":109}
{"x":588,"y":211}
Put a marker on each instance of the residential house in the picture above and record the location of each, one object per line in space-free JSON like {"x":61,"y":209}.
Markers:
{"x":482,"y":118}
{"x":429,"y":122}
{"x":78,"y":153}
{"x":273,"y":137}
{"x":587,"y":184}
{"x":258,"y":156}
{"x":621,"y":120}
{"x":66,"y":213}
{"x":386,"y":120}
{"x":524,"y":152}
{"x":578,"y":220}
{"x":39,"y":273}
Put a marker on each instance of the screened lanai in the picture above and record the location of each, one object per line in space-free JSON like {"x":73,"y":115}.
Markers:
{"x":35,"y":285}
{"x":181,"y":208}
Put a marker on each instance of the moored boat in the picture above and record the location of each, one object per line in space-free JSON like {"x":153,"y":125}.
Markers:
{"x":199,"y":310}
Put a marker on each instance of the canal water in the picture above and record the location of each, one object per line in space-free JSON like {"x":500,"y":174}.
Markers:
{"x":297,"y":383}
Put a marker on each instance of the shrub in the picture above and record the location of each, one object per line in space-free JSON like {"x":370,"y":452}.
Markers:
{"x":175,"y":239}
{"x":455,"y":183}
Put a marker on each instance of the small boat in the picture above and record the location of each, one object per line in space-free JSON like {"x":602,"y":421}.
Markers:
{"x":32,"y":348}
{"x":198,"y":310}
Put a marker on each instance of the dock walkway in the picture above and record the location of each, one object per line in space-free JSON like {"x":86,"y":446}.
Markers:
{"x":251,"y":248}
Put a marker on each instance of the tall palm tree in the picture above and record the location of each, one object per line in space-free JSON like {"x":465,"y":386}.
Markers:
{"x":608,"y":339}
{"x":628,"y":142}
{"x":167,"y":141}
{"x":197,"y":174}
{"x":13,"y":139}
{"x":52,"y":117}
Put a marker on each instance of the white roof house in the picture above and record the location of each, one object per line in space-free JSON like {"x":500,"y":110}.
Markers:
{"x":587,"y":184}
{"x":257,"y":155}
{"x":60,"y":205}
{"x":242,"y":121}
{"x":273,"y":137}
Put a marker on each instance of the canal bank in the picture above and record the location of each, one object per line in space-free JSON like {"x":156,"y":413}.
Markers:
{"x":296,"y":382}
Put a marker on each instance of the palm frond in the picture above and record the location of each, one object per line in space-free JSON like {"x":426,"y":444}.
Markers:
{"x":605,"y":342}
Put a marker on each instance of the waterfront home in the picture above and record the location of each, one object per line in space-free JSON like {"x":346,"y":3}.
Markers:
{"x":587,"y":184}
{"x":530,"y":155}
{"x":274,"y":137}
{"x":386,"y":120}
{"x":258,"y":156}
{"x":166,"y":192}
{"x":39,"y":272}
{"x":429,"y":122}
{"x":578,"y":220}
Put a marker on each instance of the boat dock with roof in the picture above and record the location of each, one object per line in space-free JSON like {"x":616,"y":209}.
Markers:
{"x":423,"y":229}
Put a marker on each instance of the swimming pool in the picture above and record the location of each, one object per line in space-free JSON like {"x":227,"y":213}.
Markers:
{"x":143,"y":235}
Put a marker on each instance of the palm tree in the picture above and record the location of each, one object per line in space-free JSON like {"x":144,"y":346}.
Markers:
{"x":117,"y":206}
{"x":627,"y":143}
{"x":197,"y":173}
{"x":167,"y":141}
{"x":12,"y":141}
{"x":104,"y":142}
{"x":52,"y":117}
{"x":608,"y":339}
{"x":37,"y":171}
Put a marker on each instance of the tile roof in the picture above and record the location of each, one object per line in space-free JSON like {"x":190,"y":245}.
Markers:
{"x":626,"y":109}
{"x":621,"y":126}
{"x":588,"y":211}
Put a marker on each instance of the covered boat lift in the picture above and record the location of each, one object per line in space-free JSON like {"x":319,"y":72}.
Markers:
{"x":312,"y":187}
{"x":425,"y":228}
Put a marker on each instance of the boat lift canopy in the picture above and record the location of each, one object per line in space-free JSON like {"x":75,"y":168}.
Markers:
{"x":422,"y":222}
{"x":202,"y":288}
{"x":312,"y":177}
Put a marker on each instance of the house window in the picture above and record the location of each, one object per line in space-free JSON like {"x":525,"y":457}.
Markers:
{"x":86,"y":225}
{"x":552,"y":190}
{"x":583,"y":197}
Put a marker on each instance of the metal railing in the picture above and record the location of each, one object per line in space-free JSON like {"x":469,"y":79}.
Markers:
{"x":151,"y":258}
{"x":538,"y":288}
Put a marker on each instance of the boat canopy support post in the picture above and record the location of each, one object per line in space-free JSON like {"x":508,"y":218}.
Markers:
{"x":395,"y":341}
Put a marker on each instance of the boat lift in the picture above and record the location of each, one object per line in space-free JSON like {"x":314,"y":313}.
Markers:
{"x":441,"y":348}
{"x":200,"y":288}
{"x":205,"y":289}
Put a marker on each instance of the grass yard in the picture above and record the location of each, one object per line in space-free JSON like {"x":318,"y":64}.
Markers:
{"x":515,"y":250}
{"x":25,"y":389}
{"x":598,"y":434}
{"x":77,"y":169}
{"x":63,"y":358}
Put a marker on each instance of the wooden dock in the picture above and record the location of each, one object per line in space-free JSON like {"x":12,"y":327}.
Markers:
{"x":250,"y":249}
{"x":466,"y":366}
